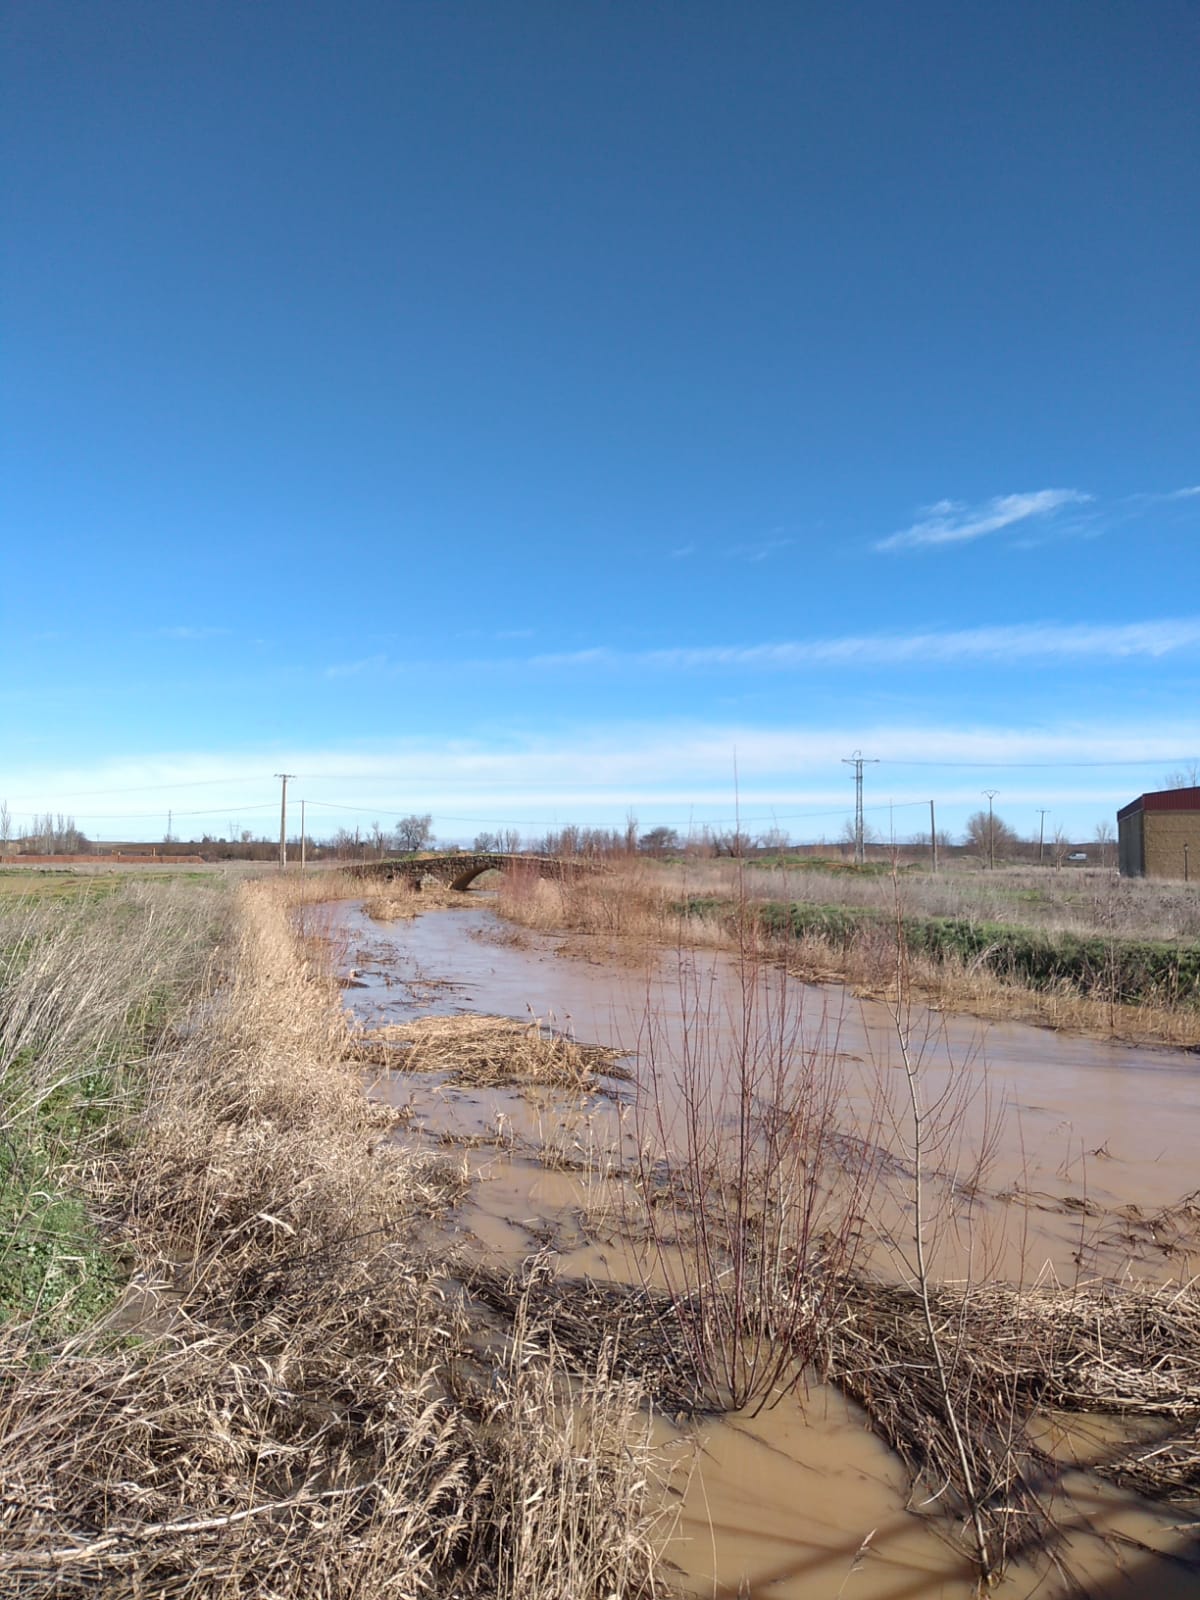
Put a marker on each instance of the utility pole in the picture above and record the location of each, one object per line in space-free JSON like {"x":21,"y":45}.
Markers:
{"x":283,"y":778}
{"x":303,"y":838}
{"x":170,"y":816}
{"x":1042,"y":834}
{"x":991,"y":795}
{"x":858,"y":761}
{"x":933,"y":836}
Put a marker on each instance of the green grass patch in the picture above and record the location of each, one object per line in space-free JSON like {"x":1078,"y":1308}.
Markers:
{"x":55,"y":1271}
{"x":90,"y":982}
{"x":1128,"y":971}
{"x":833,"y":866}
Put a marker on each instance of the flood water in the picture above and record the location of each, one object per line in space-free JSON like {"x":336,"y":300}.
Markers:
{"x":1090,"y":1144}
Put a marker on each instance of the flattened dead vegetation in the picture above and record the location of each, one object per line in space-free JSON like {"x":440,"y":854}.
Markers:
{"x":489,"y":1053}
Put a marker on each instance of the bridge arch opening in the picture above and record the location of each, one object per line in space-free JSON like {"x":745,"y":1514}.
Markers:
{"x":465,"y":879}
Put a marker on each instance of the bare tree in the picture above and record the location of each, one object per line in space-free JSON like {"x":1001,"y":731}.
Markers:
{"x":659,"y":842}
{"x":1184,"y":777}
{"x":413,"y":833}
{"x":1105,"y":838}
{"x":989,"y":835}
{"x":1060,"y":844}
{"x":5,"y":824}
{"x":849,"y":836}
{"x":52,"y":834}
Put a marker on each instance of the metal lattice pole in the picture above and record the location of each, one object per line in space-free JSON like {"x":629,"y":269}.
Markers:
{"x":858,"y":761}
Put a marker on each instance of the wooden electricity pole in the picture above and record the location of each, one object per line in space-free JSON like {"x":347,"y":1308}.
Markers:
{"x":933,"y":835}
{"x":303,"y":838}
{"x":283,"y":778}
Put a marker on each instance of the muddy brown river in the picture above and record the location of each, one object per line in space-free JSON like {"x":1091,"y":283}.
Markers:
{"x":1089,"y":1147}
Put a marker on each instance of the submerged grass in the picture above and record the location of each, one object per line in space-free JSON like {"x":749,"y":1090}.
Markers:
{"x":489,"y":1052}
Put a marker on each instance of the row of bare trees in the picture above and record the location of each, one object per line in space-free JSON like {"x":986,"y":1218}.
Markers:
{"x":51,"y":834}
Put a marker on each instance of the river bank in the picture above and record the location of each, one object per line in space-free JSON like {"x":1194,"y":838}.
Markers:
{"x":279,"y":1395}
{"x":447,"y":1337}
{"x":544,"y":1176}
{"x":1096,"y":954}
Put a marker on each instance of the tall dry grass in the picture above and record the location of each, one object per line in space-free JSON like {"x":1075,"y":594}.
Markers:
{"x":1086,"y":901}
{"x":288,"y":1400}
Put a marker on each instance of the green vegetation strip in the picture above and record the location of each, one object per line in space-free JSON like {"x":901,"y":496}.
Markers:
{"x":87,"y":989}
{"x":1128,"y":971}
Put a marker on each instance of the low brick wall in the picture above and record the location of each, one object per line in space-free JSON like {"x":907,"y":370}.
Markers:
{"x":120,"y":860}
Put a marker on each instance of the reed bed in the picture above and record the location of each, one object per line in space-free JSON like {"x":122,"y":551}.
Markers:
{"x":403,"y":900}
{"x":1117,"y":1351}
{"x":489,"y":1052}
{"x":288,"y":1398}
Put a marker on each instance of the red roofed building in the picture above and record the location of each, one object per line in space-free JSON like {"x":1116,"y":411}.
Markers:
{"x":1159,"y":835}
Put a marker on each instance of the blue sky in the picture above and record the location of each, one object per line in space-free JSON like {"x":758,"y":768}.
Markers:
{"x":528,"y":412}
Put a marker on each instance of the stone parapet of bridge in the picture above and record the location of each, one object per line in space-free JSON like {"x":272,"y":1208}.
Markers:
{"x":460,"y":869}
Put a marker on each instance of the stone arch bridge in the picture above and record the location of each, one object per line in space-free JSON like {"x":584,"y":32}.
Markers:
{"x":460,"y":869}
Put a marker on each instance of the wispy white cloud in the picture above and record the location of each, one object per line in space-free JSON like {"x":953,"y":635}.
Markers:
{"x":760,"y":549}
{"x":1020,"y":641}
{"x":354,"y":669}
{"x":188,"y":631}
{"x":671,"y":770}
{"x":955,"y":522}
{"x":682,"y":551}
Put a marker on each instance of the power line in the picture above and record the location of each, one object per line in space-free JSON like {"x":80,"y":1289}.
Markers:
{"x":366,"y":777}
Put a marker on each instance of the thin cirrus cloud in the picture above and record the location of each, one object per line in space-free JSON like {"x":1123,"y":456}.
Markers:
{"x":187,"y":631}
{"x":1080,"y":641}
{"x":955,"y":522}
{"x":354,"y":669}
{"x":760,"y":549}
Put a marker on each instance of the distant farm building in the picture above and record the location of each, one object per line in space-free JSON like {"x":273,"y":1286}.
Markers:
{"x":1159,"y":835}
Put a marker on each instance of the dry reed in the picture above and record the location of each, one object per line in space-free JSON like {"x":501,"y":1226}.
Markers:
{"x":488,"y":1052}
{"x":279,"y":1405}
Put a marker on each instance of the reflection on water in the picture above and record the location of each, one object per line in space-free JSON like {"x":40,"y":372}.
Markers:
{"x":1090,"y":1140}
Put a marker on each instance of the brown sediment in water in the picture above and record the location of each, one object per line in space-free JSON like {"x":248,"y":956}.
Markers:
{"x":1018,"y":1353}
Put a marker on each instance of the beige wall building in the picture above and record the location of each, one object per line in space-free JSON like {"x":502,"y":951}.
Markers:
{"x":1159,"y":835}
